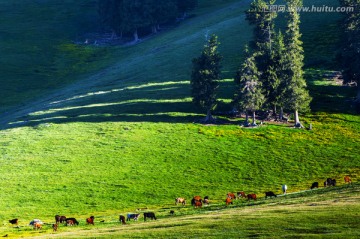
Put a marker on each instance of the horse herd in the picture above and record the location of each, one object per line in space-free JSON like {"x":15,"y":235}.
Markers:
{"x":196,"y":202}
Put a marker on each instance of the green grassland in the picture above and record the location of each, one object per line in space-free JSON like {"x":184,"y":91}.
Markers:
{"x":105,"y":130}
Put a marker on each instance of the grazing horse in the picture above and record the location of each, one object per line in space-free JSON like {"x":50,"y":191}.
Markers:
{"x":132,"y":216}
{"x":231,"y":196}
{"x":32,"y":223}
{"x":330,"y":182}
{"x":206,"y":200}
{"x":251,"y":196}
{"x":122,"y":219}
{"x":284,"y":188}
{"x":180,"y":200}
{"x":71,"y":221}
{"x":196,"y":201}
{"x":228,"y":201}
{"x":150,"y":215}
{"x":241,"y":194}
{"x":37,"y":226}
{"x":59,"y":219}
{"x":314,"y":185}
{"x":197,"y":198}
{"x":270,"y":194}
{"x":90,"y":220}
{"x":14,"y":221}
{"x":172,"y":212}
{"x":55,"y":227}
{"x":347,"y":179}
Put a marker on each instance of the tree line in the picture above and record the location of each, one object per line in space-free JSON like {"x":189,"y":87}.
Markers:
{"x":271,"y":75}
{"x":129,"y":16}
{"x":349,"y":56}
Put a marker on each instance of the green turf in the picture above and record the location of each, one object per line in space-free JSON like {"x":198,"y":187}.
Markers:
{"x":108,"y":140}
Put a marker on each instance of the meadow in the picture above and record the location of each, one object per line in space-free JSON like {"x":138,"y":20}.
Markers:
{"x":108,"y":130}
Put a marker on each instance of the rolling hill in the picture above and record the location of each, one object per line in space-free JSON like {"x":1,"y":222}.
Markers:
{"x":105,"y":130}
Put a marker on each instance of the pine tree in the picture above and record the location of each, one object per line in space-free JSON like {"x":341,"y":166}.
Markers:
{"x":205,"y":76}
{"x":248,"y":96}
{"x":263,"y":46}
{"x":278,"y":74}
{"x":186,"y":5}
{"x":296,"y":96}
{"x":350,"y":51}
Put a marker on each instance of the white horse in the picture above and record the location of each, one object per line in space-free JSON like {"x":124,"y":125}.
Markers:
{"x":284,"y":188}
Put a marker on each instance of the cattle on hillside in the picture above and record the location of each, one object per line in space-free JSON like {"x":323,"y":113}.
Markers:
{"x":284,"y":188}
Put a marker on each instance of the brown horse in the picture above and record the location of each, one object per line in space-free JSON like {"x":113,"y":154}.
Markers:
{"x":241,"y":194}
{"x":90,"y":220}
{"x":122,"y":219}
{"x":198,"y":204}
{"x":231,"y":196}
{"x":347,"y":179}
{"x":228,"y":201}
{"x":55,"y":227}
{"x":251,"y":197}
{"x":37,"y":226}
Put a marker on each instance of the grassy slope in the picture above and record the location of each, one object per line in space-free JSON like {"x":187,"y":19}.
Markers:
{"x":300,"y":215}
{"x":122,"y":141}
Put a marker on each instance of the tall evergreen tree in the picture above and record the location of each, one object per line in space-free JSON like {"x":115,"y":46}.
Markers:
{"x":204,"y":78}
{"x":136,"y":16}
{"x":296,"y":95}
{"x":278,"y":74}
{"x":350,"y":51}
{"x":263,"y":44}
{"x":248,"y":96}
{"x":186,"y":5}
{"x":160,"y":11}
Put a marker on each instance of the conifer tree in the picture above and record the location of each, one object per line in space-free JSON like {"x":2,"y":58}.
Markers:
{"x":205,"y":76}
{"x":278,"y":74}
{"x":296,"y":96}
{"x":350,"y":51}
{"x":262,"y":18}
{"x":248,"y":95}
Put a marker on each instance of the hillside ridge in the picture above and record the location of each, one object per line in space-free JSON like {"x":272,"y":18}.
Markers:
{"x":112,"y":75}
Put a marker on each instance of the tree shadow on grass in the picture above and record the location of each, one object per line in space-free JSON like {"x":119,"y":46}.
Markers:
{"x":139,"y":103}
{"x":332,"y":99}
